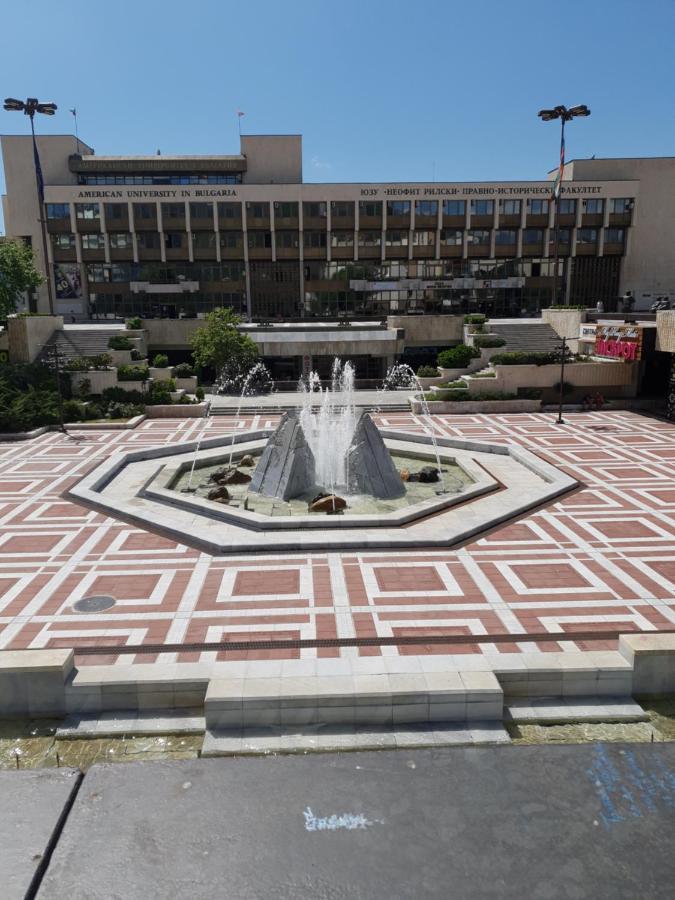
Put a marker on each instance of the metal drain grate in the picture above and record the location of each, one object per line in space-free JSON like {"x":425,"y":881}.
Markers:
{"x":94,"y":604}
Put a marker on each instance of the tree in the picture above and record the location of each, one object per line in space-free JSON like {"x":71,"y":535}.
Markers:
{"x":219,"y":344}
{"x":17,"y":274}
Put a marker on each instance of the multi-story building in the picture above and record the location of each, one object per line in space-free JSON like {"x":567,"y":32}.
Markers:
{"x":175,"y":236}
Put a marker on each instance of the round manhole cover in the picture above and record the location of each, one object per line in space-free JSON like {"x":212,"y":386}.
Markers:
{"x":94,"y":604}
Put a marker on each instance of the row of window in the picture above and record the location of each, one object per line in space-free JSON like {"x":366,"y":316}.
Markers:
{"x":339,"y":209}
{"x":221,"y":178}
{"x":318,"y":239}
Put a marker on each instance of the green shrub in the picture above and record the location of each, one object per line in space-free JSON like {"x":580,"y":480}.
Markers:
{"x":489,"y":374}
{"x":28,"y":410}
{"x":457,"y":357}
{"x":183,"y":370}
{"x":563,"y":306}
{"x":164,"y":384}
{"x":160,"y":361}
{"x":459,"y":383}
{"x":123,"y":411}
{"x":119,"y":395}
{"x":93,"y":411}
{"x":567,"y":388}
{"x":134,"y":324}
{"x":133,"y":373}
{"x":136,"y":355}
{"x":530,"y":393}
{"x":525,"y":358}
{"x":488,"y":340}
{"x":428,"y":372}
{"x":475,"y":319}
{"x":101,"y":361}
{"x":83,"y":389}
{"x":78,"y":364}
{"x":199,"y":393}
{"x":479,"y":396}
{"x":72,"y":411}
{"x":120,"y":342}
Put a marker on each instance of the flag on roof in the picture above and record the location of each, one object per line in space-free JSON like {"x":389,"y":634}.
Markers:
{"x":240,"y":113}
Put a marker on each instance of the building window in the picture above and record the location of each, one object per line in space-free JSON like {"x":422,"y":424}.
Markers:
{"x":567,"y":207}
{"x":314,"y":210}
{"x":342,"y":239}
{"x":537,"y":207}
{"x":287,"y":239}
{"x":482,"y":207}
{"x":63,"y":241}
{"x":286,"y":210}
{"x":258,"y":210}
{"x":204,"y":240}
{"x":176,"y":178}
{"x":372,"y":208}
{"x":229,"y":210}
{"x":397,"y":239}
{"x":454,"y":207}
{"x":510,"y":207}
{"x":315,"y":239}
{"x":452,"y":237}
{"x":116,"y":210}
{"x":506,"y":236}
{"x":231,"y":239}
{"x":260,"y":240}
{"x":424,"y":238}
{"x":98,"y":274}
{"x":564,"y":236}
{"x":614,"y":235}
{"x":370,"y":238}
{"x":145,"y":211}
{"x":201,"y":211}
{"x":92,"y":242}
{"x":587,"y":236}
{"x":58,"y":211}
{"x":148,"y":240}
{"x":594,"y":207}
{"x":533,"y":235}
{"x":398,"y":207}
{"x":173,"y":211}
{"x":173,"y":240}
{"x":620,"y":205}
{"x":479,"y":236}
{"x":87,"y":211}
{"x":340,"y":209}
{"x":120,"y":241}
{"x":426,"y":207}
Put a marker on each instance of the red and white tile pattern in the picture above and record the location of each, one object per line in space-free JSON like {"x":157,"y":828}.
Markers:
{"x":599,"y":559}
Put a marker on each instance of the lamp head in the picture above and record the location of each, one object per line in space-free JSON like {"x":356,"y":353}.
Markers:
{"x":13,"y":105}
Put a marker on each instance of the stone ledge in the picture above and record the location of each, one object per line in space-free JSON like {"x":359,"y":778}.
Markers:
{"x":631,"y":645}
{"x":565,"y":710}
{"x":26,"y":661}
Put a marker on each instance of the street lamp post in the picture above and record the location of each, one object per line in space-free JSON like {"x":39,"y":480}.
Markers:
{"x":29,"y":107}
{"x":565,"y":115}
{"x":563,"y":360}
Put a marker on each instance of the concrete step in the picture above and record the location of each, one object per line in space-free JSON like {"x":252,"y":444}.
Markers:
{"x":329,"y":739}
{"x":564,"y":710}
{"x":519,"y":336}
{"x":113,"y":724}
{"x":383,"y":700}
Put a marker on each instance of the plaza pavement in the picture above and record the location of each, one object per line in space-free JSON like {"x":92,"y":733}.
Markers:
{"x":601,"y":558}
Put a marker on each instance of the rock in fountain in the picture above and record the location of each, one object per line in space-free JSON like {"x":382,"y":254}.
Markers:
{"x":370,"y":466}
{"x":286,"y":467}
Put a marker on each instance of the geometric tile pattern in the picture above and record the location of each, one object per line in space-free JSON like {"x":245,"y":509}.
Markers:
{"x":600,"y":558}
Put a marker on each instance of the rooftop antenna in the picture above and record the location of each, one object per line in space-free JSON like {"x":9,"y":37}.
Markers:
{"x":240,"y":115}
{"x":77,"y":136}
{"x":159,"y":152}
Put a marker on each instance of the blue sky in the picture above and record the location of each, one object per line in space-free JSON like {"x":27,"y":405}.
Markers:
{"x":382,"y":90}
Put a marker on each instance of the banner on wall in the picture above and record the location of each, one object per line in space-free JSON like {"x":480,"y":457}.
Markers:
{"x":618,"y":342}
{"x":68,"y":281}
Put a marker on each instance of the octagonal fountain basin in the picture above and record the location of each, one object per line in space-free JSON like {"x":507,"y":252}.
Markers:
{"x":484,"y":485}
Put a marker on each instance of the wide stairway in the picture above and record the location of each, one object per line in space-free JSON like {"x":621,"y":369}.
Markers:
{"x":76,"y":341}
{"x":526,"y":337}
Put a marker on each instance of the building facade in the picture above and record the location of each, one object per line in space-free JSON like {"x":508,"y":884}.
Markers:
{"x":173,"y":237}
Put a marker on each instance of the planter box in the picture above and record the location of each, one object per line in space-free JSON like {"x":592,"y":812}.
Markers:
{"x":427,"y":383}
{"x":475,"y":406}
{"x":99,"y":379}
{"x":176,"y":411}
{"x":188,"y":384}
{"x":162,"y":374}
{"x":120,"y":357}
{"x":131,"y":385}
{"x":176,"y":396}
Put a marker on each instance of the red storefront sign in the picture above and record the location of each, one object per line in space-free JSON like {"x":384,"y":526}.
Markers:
{"x":618,"y":342}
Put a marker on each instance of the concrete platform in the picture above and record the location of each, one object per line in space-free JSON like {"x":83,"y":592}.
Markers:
{"x":329,"y":739}
{"x":32,"y":803}
{"x":564,"y":710}
{"x":472,"y":823}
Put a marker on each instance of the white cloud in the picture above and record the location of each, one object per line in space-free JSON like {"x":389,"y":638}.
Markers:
{"x":320,"y":163}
